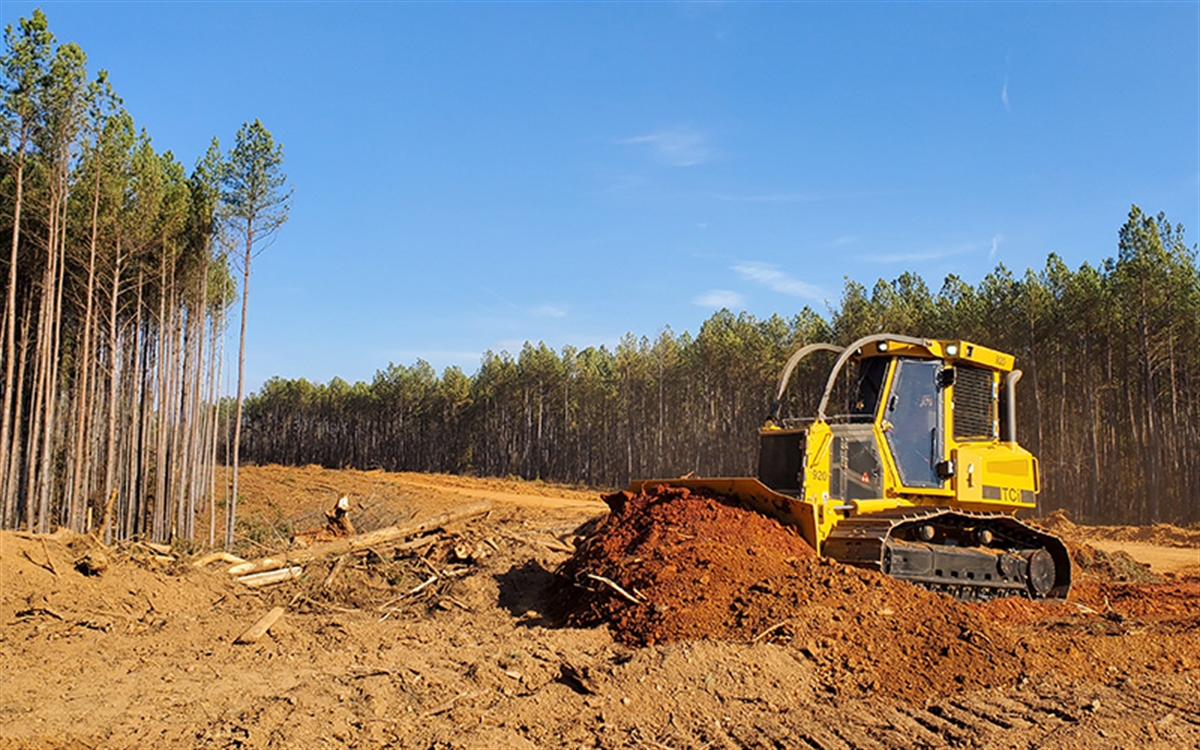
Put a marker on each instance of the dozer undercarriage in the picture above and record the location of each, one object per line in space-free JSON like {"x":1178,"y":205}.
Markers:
{"x":971,"y":556}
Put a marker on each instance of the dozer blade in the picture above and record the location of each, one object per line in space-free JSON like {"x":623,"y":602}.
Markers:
{"x":750,"y":493}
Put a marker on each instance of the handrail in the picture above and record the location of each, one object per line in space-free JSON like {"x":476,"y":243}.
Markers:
{"x":851,"y":350}
{"x":786,"y":376}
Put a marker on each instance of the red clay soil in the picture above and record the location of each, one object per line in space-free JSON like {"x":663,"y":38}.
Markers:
{"x":706,"y":568}
{"x":123,"y":647}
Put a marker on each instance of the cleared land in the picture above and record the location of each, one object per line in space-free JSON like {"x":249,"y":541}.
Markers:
{"x":469,"y":638}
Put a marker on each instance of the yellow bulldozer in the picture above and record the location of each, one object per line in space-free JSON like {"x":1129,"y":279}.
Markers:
{"x":919,"y":479}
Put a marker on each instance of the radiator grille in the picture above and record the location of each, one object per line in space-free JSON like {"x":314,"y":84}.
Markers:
{"x":974,"y":404}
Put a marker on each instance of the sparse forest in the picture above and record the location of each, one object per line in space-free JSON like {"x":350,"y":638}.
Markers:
{"x":1110,"y":401}
{"x":116,"y":286}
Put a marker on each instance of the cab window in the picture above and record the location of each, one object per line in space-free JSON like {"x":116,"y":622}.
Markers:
{"x":871,"y":373}
{"x":914,"y":411}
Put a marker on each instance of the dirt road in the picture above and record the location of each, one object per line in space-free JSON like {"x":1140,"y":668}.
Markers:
{"x":368,"y":654}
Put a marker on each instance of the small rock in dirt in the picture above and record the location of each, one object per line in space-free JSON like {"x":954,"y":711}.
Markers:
{"x":93,"y":563}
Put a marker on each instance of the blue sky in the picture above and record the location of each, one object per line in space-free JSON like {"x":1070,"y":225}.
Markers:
{"x":471,"y":176}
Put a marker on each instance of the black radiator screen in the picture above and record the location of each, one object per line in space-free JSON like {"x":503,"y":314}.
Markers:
{"x":974,"y":404}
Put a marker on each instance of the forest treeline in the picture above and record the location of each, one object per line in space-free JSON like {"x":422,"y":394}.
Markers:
{"x":116,"y":283}
{"x":1110,"y":399}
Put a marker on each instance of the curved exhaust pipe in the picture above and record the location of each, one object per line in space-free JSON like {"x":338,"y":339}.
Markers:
{"x":1008,"y":428}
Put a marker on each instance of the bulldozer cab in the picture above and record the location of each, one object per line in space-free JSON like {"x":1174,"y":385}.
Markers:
{"x":917,"y":409}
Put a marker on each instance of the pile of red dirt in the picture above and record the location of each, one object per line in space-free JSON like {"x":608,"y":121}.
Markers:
{"x":1112,"y":567}
{"x":1160,"y":534}
{"x":696,"y":561}
{"x":672,"y":565}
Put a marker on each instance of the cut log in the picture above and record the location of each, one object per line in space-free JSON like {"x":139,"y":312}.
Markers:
{"x":260,"y":628}
{"x":263,"y":563}
{"x":271,"y":576}
{"x":363,"y":541}
{"x":213,"y":557}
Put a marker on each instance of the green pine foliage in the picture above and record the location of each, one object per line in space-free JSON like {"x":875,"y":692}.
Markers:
{"x":1110,"y":401}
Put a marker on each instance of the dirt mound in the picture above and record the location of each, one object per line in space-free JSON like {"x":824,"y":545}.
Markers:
{"x":1161,"y":534}
{"x":1112,"y":567}
{"x":696,"y":560}
{"x":673,"y":565}
{"x":75,"y":582}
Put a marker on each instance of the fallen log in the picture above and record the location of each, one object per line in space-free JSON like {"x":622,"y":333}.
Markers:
{"x":213,"y":557}
{"x":266,"y":578}
{"x":260,"y":628}
{"x":262,"y":564}
{"x":362,"y":541}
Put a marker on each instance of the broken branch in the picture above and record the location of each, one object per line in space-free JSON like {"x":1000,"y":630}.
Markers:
{"x":421,"y":587}
{"x":613,"y":585}
{"x":213,"y":557}
{"x":770,"y":630}
{"x":260,"y":628}
{"x":49,"y":559}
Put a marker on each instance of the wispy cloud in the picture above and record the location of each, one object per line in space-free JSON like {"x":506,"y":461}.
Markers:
{"x":550,"y":311}
{"x":996,"y":240}
{"x":512,"y":346}
{"x":1004,"y":95}
{"x":778,"y":281}
{"x":718,"y":298}
{"x":847,"y":240}
{"x":681,"y":147}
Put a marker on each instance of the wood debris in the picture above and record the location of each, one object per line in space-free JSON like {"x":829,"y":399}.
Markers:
{"x":337,"y":525}
{"x":260,"y":628}
{"x":271,"y":576}
{"x":362,"y":542}
{"x":213,"y":557}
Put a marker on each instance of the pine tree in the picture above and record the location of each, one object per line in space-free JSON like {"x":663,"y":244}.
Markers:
{"x":257,"y":201}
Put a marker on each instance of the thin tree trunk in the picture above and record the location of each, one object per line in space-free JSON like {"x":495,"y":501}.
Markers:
{"x":7,"y":425}
{"x":82,"y":415}
{"x":237,"y":419}
{"x":110,"y":458}
{"x":14,"y":456}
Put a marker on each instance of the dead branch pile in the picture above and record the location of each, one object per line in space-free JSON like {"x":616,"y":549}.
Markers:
{"x":387,"y":540}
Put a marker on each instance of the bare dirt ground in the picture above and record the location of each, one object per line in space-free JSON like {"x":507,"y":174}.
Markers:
{"x":752,"y":642}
